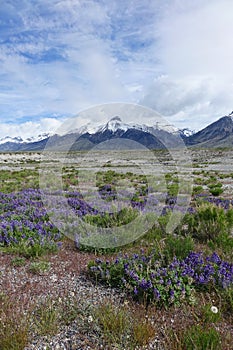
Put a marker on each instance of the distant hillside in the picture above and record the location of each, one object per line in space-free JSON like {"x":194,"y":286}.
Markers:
{"x":217,"y":134}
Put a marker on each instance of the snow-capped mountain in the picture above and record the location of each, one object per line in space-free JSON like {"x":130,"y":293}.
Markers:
{"x":154,"y":136}
{"x":17,"y":144}
{"x":39,"y":137}
{"x":115,"y":123}
{"x":157,"y":136}
{"x":11,"y":139}
{"x":20,"y":139}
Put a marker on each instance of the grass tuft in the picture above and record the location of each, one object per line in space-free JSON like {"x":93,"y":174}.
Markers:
{"x":123,"y":326}
{"x":14,"y":325}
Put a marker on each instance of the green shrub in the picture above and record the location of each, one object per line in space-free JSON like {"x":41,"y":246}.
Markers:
{"x":173,"y":189}
{"x":18,"y":261}
{"x":32,"y":251}
{"x":216,"y":191}
{"x":215,"y":188}
{"x":198,"y":190}
{"x":213,"y":185}
{"x":226,"y":296}
{"x":208,"y":222}
{"x":224,"y":241}
{"x":176,"y":246}
{"x":39,"y":267}
{"x":163,"y":221}
{"x":123,"y":217}
{"x":199,"y":181}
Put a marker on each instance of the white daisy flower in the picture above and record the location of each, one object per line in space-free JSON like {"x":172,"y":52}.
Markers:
{"x":214,"y":309}
{"x":90,"y":319}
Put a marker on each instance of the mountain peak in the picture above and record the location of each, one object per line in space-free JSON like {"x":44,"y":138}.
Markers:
{"x":230,"y":116}
{"x":116,"y":118}
{"x":114,"y":124}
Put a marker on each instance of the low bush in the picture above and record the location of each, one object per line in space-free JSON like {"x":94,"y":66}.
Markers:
{"x":208,"y":222}
{"x":226,"y":297}
{"x":149,"y":281}
{"x":177,"y":246}
{"x":224,"y":241}
{"x":123,"y":217}
{"x":216,"y":191}
{"x":39,"y":267}
{"x":198,"y":189}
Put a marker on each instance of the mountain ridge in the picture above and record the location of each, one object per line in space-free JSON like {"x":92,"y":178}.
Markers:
{"x":159,"y":136}
{"x":217,"y":134}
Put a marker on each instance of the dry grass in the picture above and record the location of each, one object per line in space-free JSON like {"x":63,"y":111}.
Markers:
{"x":125,"y":325}
{"x":14,"y":325}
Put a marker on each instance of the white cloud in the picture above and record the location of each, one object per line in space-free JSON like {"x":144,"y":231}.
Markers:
{"x":86,"y":76}
{"x":196,"y":54}
{"x":100,"y":114}
{"x":192,"y":101}
{"x":198,"y":40}
{"x":30,"y":128}
{"x":65,"y":56}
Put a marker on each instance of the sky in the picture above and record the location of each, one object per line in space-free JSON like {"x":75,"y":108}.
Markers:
{"x":58,"y":58}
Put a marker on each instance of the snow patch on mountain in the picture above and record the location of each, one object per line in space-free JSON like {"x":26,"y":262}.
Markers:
{"x":186,"y":132}
{"x":19,"y":139}
{"x":114,"y":124}
{"x":37,"y":138}
{"x":166,"y":127}
{"x":11,"y":139}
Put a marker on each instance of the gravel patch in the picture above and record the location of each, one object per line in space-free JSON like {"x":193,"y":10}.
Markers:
{"x":65,"y":280}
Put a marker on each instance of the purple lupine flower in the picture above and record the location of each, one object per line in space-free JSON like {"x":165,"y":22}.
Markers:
{"x":171,"y":292}
{"x":215,"y":258}
{"x":156,"y":293}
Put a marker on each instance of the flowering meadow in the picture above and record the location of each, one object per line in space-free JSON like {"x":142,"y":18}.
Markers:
{"x":25,"y":225}
{"x":188,"y":272}
{"x":23,"y":217}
